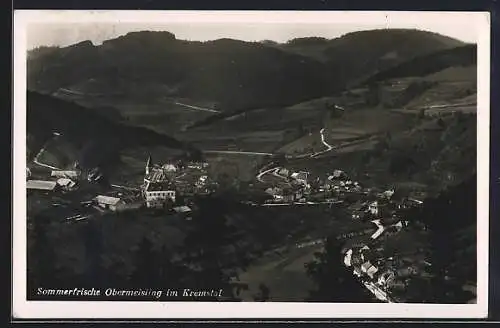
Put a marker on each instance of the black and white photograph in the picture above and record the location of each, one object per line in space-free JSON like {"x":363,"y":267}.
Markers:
{"x":251,"y":164}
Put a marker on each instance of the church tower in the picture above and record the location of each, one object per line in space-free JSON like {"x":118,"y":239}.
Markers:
{"x":149,"y":163}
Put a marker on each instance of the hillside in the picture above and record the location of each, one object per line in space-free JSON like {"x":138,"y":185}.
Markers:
{"x":360,"y":54}
{"x":235,"y":74}
{"x":154,"y":64}
{"x":452,"y":219}
{"x":431,"y":63}
{"x":95,"y":139}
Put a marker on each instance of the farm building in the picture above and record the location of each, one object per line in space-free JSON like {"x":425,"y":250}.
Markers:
{"x":66,"y":183}
{"x":72,"y":174}
{"x":107,"y":202}
{"x":182,"y":209}
{"x":42,"y":185}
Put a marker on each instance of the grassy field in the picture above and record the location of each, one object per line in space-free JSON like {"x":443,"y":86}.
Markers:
{"x":285,"y":276}
{"x":159,"y":114}
{"x":309,"y":143}
{"x":443,"y":93}
{"x":237,"y":166}
{"x":58,"y":153}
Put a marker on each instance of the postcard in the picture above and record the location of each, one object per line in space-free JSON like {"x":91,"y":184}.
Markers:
{"x":250,"y":164}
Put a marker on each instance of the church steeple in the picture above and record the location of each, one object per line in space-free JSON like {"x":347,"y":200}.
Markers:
{"x":149,"y":163}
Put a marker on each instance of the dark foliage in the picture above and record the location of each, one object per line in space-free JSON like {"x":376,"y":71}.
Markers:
{"x":451,"y":218}
{"x":431,"y":63}
{"x":234,"y":73}
{"x":98,"y":138}
{"x":334,"y":282}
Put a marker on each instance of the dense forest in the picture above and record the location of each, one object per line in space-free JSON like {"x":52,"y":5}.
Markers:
{"x":234,"y":73}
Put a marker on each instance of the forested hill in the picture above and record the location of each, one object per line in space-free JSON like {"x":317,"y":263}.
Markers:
{"x":234,"y":73}
{"x":451,"y":218}
{"x":428,"y":64}
{"x":96,"y":136}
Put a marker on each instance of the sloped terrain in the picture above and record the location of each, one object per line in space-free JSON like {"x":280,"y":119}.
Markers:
{"x":95,"y":139}
{"x":234,"y":73}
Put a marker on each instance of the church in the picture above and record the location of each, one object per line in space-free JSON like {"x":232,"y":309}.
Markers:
{"x":158,"y":189}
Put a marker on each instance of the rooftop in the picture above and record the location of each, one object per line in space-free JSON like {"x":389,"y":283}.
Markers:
{"x":160,"y":186}
{"x":41,"y":184}
{"x":182,"y":209}
{"x":107,"y":200}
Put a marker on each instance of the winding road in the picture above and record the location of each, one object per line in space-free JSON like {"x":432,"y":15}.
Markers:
{"x":327,"y":145}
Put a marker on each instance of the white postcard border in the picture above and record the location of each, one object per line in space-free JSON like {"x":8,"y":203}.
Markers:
{"x":132,"y":310}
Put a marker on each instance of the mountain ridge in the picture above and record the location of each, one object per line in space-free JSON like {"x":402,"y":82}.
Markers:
{"x":235,"y":73}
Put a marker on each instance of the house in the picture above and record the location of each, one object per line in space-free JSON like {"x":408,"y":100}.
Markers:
{"x":386,"y":278}
{"x":276,"y":192}
{"x":347,"y":257}
{"x":379,"y":231}
{"x":372,"y":271}
{"x":365,"y":266}
{"x":108,"y":202}
{"x":170,"y":168}
{"x":182,"y":209}
{"x":388,"y":193}
{"x":72,"y":174}
{"x":373,"y":208}
{"x":184,"y":212}
{"x":362,"y":252}
{"x":369,"y":269}
{"x":283,"y":172}
{"x":300,"y":176}
{"x":66,"y":183}
{"x":337,"y":174}
{"x":42,"y":185}
{"x":201,"y":182}
{"x":398,"y":226}
{"x":197,"y":165}
{"x":157,"y":194}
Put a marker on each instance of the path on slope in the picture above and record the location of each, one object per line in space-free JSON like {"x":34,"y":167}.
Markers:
{"x":35,"y":160}
{"x":197,"y":107}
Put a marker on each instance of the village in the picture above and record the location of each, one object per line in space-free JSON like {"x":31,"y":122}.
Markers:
{"x":387,"y":277}
{"x":167,"y":187}
{"x":171,"y":187}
